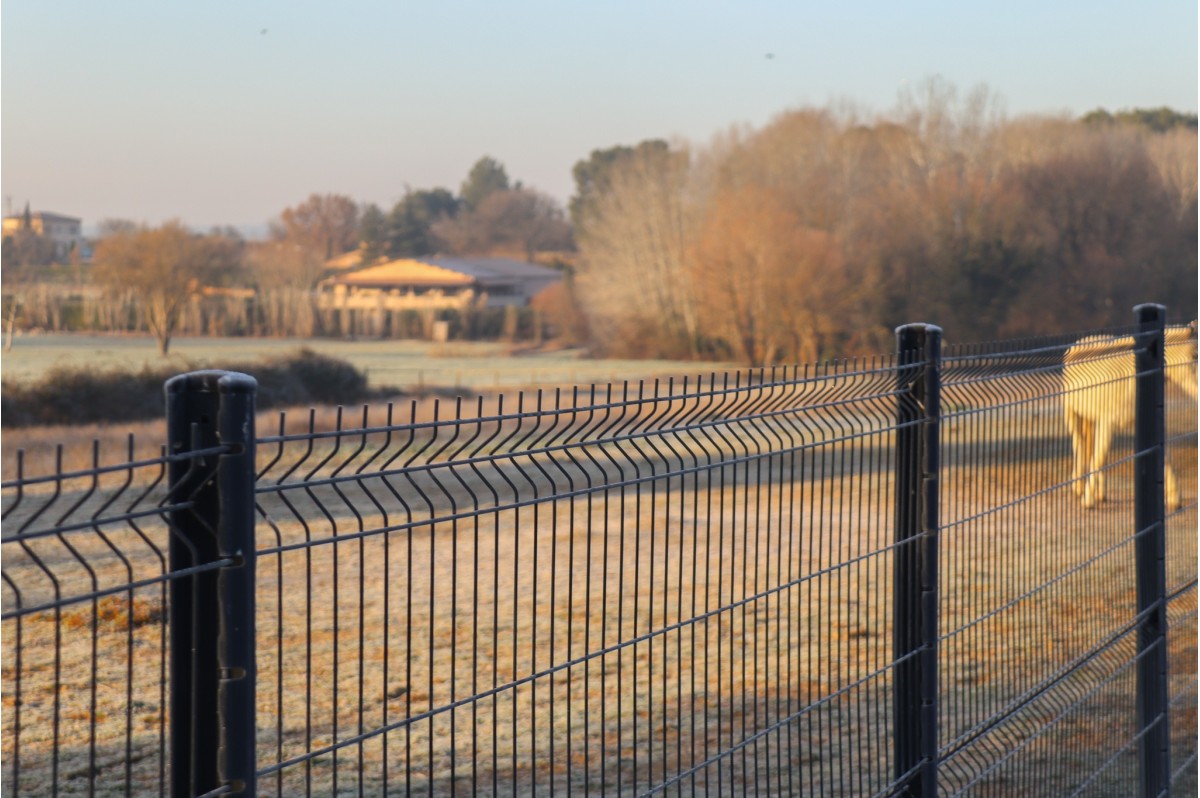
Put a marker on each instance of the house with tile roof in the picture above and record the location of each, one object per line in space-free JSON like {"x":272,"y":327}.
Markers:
{"x":436,"y":283}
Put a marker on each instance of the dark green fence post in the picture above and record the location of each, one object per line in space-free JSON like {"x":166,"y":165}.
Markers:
{"x":212,"y":612}
{"x":1154,"y":764}
{"x":915,"y":584}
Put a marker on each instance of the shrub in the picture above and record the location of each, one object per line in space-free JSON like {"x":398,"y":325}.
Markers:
{"x":88,"y":396}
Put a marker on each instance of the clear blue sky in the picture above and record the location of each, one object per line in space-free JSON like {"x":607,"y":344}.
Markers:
{"x":153,"y":110}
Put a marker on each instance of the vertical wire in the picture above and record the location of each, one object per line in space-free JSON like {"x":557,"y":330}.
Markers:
{"x":720,"y":617}
{"x":792,"y":593}
{"x":809,"y":587}
{"x":335,"y":619}
{"x":496,"y":620}
{"x":691,"y":631}
{"x":853,"y":550}
{"x":278,"y":631}
{"x":624,"y":683}
{"x":308,"y":630}
{"x":162,"y":649}
{"x":757,"y":604}
{"x":432,"y":636}
{"x":838,"y":540}
{"x":58,"y":470}
{"x":708,"y":582}
{"x":654,"y":431}
{"x":570,"y":671}
{"x":362,"y":579}
{"x":453,"y":621}
{"x":604,"y":625}
{"x":553,"y":607}
{"x":824,"y":592}
{"x":587,"y":618}
{"x":637,"y":560}
{"x":409,"y":678}
{"x":516,"y":620}
{"x":533,"y":659}
{"x":742,"y":595}
{"x":475,"y":623}
{"x":782,"y":512}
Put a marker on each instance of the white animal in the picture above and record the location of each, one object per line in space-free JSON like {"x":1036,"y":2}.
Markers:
{"x":1099,"y":389}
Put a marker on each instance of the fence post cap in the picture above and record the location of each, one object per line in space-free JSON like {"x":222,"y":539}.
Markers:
{"x":237,"y":382}
{"x":211,"y":381}
{"x":1150,"y":311}
{"x":920,"y":325}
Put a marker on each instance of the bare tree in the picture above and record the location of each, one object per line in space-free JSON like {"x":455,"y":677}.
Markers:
{"x":17,"y":280}
{"x":325,"y":224}
{"x":1173,"y":154}
{"x":633,"y":257}
{"x":283,"y":274}
{"x":163,"y":267}
{"x":769,"y":286}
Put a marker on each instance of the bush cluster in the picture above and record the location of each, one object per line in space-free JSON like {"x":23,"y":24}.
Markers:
{"x":88,"y":396}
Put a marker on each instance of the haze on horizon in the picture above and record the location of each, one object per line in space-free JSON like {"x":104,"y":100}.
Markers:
{"x":226,"y":113}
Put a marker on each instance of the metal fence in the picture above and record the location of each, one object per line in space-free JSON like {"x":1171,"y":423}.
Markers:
{"x":912,"y":575}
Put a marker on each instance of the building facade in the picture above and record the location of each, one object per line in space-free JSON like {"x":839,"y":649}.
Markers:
{"x":437,"y":283}
{"x":66,"y":232}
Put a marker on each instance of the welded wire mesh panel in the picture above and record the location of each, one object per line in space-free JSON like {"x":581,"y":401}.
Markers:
{"x":85,"y":648}
{"x":1038,"y":606}
{"x":676,"y":586}
{"x":1180,"y":408}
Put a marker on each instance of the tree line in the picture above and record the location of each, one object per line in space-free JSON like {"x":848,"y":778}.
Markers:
{"x":165,"y":279}
{"x":809,"y":237}
{"x":818,"y":233}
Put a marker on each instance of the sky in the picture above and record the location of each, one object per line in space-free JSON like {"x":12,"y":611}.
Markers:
{"x":228,"y":111}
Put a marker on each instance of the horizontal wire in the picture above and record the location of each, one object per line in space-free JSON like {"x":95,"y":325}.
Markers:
{"x":786,"y":720}
{"x":1189,"y":764}
{"x":1120,"y":751}
{"x":1179,"y":591}
{"x":1039,"y":588}
{"x":1185,"y":693}
{"x":93,"y":523}
{"x":129,"y":466}
{"x":987,"y":724}
{"x":125,"y":588}
{"x":1048,"y":725}
{"x":599,"y":653}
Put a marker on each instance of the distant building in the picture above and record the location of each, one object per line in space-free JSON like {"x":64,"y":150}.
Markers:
{"x":436,"y":283}
{"x":65,"y":231}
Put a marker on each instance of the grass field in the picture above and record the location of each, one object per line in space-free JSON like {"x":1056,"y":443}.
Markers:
{"x":406,"y":365}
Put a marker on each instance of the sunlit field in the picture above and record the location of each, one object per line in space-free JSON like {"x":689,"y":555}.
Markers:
{"x":405,"y":365}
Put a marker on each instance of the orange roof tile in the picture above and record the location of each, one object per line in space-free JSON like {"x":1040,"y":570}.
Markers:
{"x":404,"y":272}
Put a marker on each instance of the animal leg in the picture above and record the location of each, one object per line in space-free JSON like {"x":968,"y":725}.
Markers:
{"x":1079,"y":454}
{"x":1089,"y":446}
{"x":1174,"y":500}
{"x":1102,"y":439}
